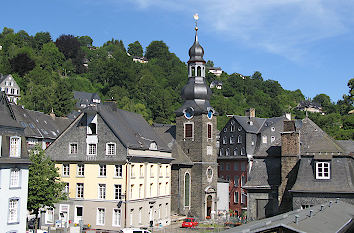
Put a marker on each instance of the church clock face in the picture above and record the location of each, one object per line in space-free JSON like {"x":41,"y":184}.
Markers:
{"x":189,"y":113}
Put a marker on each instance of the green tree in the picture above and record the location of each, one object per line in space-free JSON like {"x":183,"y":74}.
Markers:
{"x":85,"y":41}
{"x":44,"y":186}
{"x":157,"y":49}
{"x":50,"y":58}
{"x":63,"y":99}
{"x":40,"y":39}
{"x":135,"y":49}
{"x":209,"y":64}
{"x":22,"y":64}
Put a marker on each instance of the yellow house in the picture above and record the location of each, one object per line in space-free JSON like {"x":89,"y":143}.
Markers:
{"x":116,"y":169}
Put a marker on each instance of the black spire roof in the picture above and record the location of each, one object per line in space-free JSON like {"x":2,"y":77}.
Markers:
{"x":196,"y":52}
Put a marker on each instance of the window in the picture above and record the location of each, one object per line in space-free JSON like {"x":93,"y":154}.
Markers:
{"x":118,"y":171}
{"x":187,"y":190}
{"x":227,"y":167}
{"x":111,"y":148}
{"x":243,"y":166}
{"x":131,"y":190}
{"x":151,"y":170}
{"x":209,"y":131}
{"x":227,"y":152}
{"x":232,"y":140}
{"x":236,"y":166}
{"x":66,"y":169}
{"x":239,"y":129}
{"x":167,"y":171}
{"x":100,"y":216}
{"x":235,"y":197}
{"x":236,"y":181}
{"x":151,"y":189}
{"x":15,"y":146}
{"x":13,"y":211}
{"x":73,"y":148}
{"x":243,"y":151}
{"x":141,"y":191}
{"x":221,"y":167}
{"x":166,"y":189}
{"x":225,"y":129}
{"x":117,"y":192}
{"x":141,"y":171}
{"x":159,"y":190}
{"x":272,"y":138}
{"x":224,"y":140}
{"x":131,"y":216}
{"x":92,"y":149}
{"x":153,"y":146}
{"x":235,"y":152}
{"x":103,"y":170}
{"x":188,"y":130}
{"x":116,"y":218}
{"x":273,"y":129}
{"x":140,"y":214}
{"x":322,"y":170}
{"x":232,"y":128}
{"x":14,"y":178}
{"x":66,"y":188}
{"x":221,"y":152}
{"x":264,"y":139}
{"x":101,"y":191}
{"x":132,"y":171}
{"x":243,"y":181}
{"x":239,"y":139}
{"x":79,"y":190}
{"x":243,"y":197}
{"x":80,"y":170}
{"x":159,"y":211}
{"x":160,"y":171}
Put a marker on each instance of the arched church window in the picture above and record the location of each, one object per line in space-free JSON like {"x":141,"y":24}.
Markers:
{"x":235,"y":152}
{"x":186,"y":189}
{"x":193,"y":71}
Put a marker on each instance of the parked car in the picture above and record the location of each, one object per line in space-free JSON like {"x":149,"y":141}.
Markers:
{"x":189,"y":222}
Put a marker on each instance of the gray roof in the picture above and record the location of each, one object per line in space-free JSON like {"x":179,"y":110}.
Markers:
{"x":85,"y":98}
{"x":8,"y":117}
{"x":335,"y":216}
{"x":264,"y":174}
{"x":341,"y":177}
{"x":131,"y":128}
{"x":40,"y":125}
{"x":250,"y":124}
{"x":348,"y":145}
{"x":168,"y":134}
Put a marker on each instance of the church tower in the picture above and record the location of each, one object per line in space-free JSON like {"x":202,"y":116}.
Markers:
{"x":196,"y":134}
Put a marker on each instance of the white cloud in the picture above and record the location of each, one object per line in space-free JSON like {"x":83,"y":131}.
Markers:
{"x":283,"y":27}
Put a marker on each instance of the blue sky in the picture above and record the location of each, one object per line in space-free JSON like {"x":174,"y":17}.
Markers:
{"x":303,"y":44}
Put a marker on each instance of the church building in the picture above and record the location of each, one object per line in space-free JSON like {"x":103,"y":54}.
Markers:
{"x":193,"y":144}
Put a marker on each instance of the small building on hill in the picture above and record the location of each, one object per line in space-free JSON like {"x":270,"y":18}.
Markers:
{"x":215,"y":70}
{"x":9,"y":86}
{"x":309,"y":106}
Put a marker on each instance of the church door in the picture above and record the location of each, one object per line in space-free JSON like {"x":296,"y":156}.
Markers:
{"x":209,"y":203}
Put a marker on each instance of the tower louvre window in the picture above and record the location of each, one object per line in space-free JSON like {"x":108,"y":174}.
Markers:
{"x":188,"y":130}
{"x":209,"y":131}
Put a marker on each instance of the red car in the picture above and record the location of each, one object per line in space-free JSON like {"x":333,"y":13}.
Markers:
{"x":189,"y":222}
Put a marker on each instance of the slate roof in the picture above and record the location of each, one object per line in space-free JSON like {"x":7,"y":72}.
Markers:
{"x":335,"y":216}
{"x":264,"y":174}
{"x":341,"y":177}
{"x":308,"y":103}
{"x":38,"y":124}
{"x":253,"y":127}
{"x":8,"y":117}
{"x":168,"y":134}
{"x":84,"y":98}
{"x":348,"y":145}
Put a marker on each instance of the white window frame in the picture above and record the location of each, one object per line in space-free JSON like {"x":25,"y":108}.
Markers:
{"x":239,"y":139}
{"x":140,"y":215}
{"x":80,"y":170}
{"x":101,"y":191}
{"x":264,"y":139}
{"x":117,"y":192}
{"x":15,"y":209}
{"x":89,"y":151}
{"x":98,"y":220}
{"x":272,"y":138}
{"x":236,"y":200}
{"x":66,"y":170}
{"x":108,"y":149}
{"x":141,"y":171}
{"x":15,"y":178}
{"x":118,"y":171}
{"x":79,"y":192}
{"x":116,"y":217}
{"x":321,"y":175}
{"x":243,"y":197}
{"x":102,"y":170}
{"x":184,"y":130}
{"x":15,"y":148}
{"x":71,"y":151}
{"x":67,"y":187}
{"x":237,"y":181}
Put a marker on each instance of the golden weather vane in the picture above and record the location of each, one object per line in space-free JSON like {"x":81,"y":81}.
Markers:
{"x":196,"y":17}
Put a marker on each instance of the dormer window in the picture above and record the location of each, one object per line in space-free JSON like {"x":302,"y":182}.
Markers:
{"x":239,"y":139}
{"x":323,"y":170}
{"x":111,"y":148}
{"x":224,"y":140}
{"x":153,"y":146}
{"x":232,"y":140}
{"x":91,"y":129}
{"x":15,"y":146}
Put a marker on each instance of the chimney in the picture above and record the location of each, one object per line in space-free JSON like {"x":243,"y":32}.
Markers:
{"x":251,"y":112}
{"x":288,"y":116}
{"x":111,"y":103}
{"x":290,"y":153}
{"x":52,"y":114}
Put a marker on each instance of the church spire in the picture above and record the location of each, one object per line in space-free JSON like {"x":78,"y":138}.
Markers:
{"x":196,"y":93}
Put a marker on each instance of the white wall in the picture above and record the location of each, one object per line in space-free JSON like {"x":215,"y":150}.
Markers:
{"x":223,"y":196}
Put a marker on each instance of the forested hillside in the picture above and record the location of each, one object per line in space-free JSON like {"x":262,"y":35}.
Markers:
{"x":48,"y":71}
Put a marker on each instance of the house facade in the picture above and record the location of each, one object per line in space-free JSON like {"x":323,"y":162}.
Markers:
{"x":240,"y":139}
{"x":116,"y":169}
{"x":307,"y":167}
{"x":14,"y":163}
{"x":9,"y":86}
